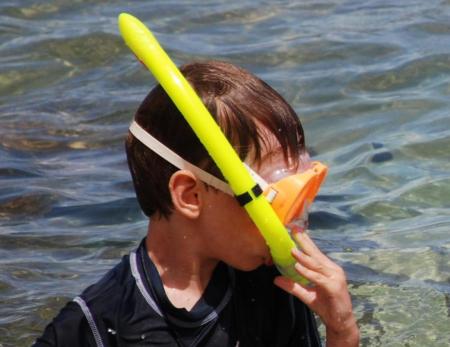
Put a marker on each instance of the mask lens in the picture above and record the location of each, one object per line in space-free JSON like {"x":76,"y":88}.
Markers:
{"x":279,"y":174}
{"x":291,"y":196}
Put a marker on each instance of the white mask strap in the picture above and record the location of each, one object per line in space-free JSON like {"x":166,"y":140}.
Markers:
{"x":173,"y":158}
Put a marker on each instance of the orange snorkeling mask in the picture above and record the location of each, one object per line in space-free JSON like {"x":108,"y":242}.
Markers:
{"x":289,"y":196}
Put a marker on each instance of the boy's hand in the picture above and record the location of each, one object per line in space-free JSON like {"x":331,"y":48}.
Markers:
{"x":327,"y":295}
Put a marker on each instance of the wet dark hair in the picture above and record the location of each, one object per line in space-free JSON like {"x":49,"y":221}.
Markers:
{"x":244,"y":106}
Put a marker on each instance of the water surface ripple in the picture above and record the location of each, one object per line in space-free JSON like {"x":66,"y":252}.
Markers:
{"x":369,"y":80}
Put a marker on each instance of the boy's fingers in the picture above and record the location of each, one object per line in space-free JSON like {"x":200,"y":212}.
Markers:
{"x":306,"y":295}
{"x":309,"y":247}
{"x":306,"y":242}
{"x":312,"y":276}
{"x":312,"y":263}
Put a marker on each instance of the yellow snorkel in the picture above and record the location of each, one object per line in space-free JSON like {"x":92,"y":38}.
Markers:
{"x":147,"y":49}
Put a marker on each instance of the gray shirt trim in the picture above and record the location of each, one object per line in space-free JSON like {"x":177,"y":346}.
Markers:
{"x":140,"y":284}
{"x":213,"y":315}
{"x":90,"y":319}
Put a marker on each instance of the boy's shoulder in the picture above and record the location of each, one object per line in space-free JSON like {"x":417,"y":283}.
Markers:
{"x":110,"y":290}
{"x":109,"y":305}
{"x":90,"y":316}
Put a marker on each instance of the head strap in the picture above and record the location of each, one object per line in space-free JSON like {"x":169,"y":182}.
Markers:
{"x":173,"y":158}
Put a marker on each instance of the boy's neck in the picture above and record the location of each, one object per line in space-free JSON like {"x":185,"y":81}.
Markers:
{"x":175,"y":250}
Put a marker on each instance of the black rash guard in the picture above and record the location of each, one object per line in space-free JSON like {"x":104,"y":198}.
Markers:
{"x":128,"y":307}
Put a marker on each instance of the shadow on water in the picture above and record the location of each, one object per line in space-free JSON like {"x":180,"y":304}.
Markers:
{"x":31,"y":206}
{"x":110,"y":213}
{"x":407,"y":76}
{"x":27,"y":206}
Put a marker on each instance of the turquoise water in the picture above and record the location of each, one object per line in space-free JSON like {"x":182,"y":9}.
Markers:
{"x":370,"y":81}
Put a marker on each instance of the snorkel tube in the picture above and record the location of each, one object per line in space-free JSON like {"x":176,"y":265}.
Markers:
{"x":147,"y":49}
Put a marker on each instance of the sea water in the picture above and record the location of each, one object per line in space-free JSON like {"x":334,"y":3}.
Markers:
{"x":370,"y":81}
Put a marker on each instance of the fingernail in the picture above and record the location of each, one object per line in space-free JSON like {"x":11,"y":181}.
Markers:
{"x":296,"y":252}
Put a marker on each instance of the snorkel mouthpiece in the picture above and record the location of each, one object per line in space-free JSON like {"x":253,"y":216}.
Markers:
{"x":147,"y":49}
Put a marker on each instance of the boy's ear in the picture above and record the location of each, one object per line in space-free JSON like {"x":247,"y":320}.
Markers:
{"x":185,"y":191}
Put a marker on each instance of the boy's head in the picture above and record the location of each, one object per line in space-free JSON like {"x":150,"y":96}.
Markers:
{"x":255,"y":118}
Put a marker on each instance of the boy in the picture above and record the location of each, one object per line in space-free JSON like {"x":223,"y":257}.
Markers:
{"x":202,"y":275}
